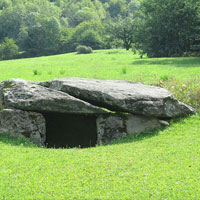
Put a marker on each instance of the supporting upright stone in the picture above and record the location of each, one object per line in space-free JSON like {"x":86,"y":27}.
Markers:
{"x":117,"y":126}
{"x":23,"y":124}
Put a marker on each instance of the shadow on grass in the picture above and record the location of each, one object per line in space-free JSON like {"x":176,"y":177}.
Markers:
{"x":113,"y":52}
{"x":6,"y":139}
{"x":135,"y":138}
{"x":177,"y":62}
{"x":147,"y":135}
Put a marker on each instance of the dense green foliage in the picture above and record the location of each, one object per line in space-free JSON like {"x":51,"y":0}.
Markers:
{"x":153,"y":27}
{"x":8,"y":49}
{"x":169,"y":27}
{"x":122,"y":29}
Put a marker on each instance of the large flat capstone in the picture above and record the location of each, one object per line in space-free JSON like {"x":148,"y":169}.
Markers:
{"x":24,"y":95}
{"x":124,"y":96}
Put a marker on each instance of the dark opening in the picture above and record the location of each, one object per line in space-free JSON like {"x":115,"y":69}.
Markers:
{"x":69,"y":130}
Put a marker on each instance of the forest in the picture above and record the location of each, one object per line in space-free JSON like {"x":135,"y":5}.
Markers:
{"x":156,"y":28}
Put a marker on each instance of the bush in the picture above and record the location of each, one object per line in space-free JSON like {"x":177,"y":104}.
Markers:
{"x":187,"y":91}
{"x":80,"y":49}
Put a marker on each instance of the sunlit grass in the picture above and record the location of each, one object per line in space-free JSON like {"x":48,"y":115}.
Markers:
{"x":157,"y":165}
{"x":103,"y":64}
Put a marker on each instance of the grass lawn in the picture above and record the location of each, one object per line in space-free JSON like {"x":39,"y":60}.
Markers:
{"x":158,"y":165}
{"x":105,"y":64}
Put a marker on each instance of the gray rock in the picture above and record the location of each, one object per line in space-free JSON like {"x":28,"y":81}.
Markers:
{"x":23,"y":124}
{"x":165,"y":123}
{"x":118,"y":126}
{"x":124,"y":96}
{"x":24,"y":95}
{"x":1,"y":105}
{"x":138,"y":124}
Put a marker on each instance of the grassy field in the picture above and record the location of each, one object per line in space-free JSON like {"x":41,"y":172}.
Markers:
{"x":158,"y":165}
{"x":109,"y":64}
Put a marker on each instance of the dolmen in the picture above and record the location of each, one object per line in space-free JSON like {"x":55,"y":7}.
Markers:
{"x":79,"y":112}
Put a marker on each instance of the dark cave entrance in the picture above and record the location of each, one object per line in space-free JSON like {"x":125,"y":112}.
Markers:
{"x":70,"y":130}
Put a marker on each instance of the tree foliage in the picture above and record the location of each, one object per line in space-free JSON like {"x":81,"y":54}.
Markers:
{"x":153,"y":27}
{"x":8,"y":49}
{"x":43,"y":37}
{"x":168,"y":27}
{"x":122,"y":29}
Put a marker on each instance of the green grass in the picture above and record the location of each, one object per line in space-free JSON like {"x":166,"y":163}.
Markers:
{"x":159,"y":165}
{"x":156,"y":165}
{"x":105,"y":64}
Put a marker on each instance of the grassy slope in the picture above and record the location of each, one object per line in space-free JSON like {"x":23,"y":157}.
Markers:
{"x":101,"y":64}
{"x":163,"y":165}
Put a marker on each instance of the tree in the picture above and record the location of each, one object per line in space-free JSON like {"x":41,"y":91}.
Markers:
{"x":195,"y":37}
{"x":122,"y":29}
{"x":116,"y":8}
{"x":78,"y":11}
{"x":65,"y":42}
{"x":86,"y":14}
{"x":91,"y":38}
{"x":133,"y":7}
{"x":43,"y":37}
{"x":167,"y":27}
{"x":88,"y":33}
{"x":8,"y":49}
{"x":10,"y":21}
{"x":5,"y":4}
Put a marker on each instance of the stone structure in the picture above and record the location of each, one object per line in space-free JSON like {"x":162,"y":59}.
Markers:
{"x":124,"y":96}
{"x":120,"y":125}
{"x":23,"y":124}
{"x":24,"y":95}
{"x":74,"y":112}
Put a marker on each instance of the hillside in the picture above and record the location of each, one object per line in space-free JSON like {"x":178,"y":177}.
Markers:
{"x":156,"y":165}
{"x":102,"y":64}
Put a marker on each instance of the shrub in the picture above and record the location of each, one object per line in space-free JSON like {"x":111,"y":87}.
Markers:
{"x":80,"y":49}
{"x":36,"y":72}
{"x":187,"y":91}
